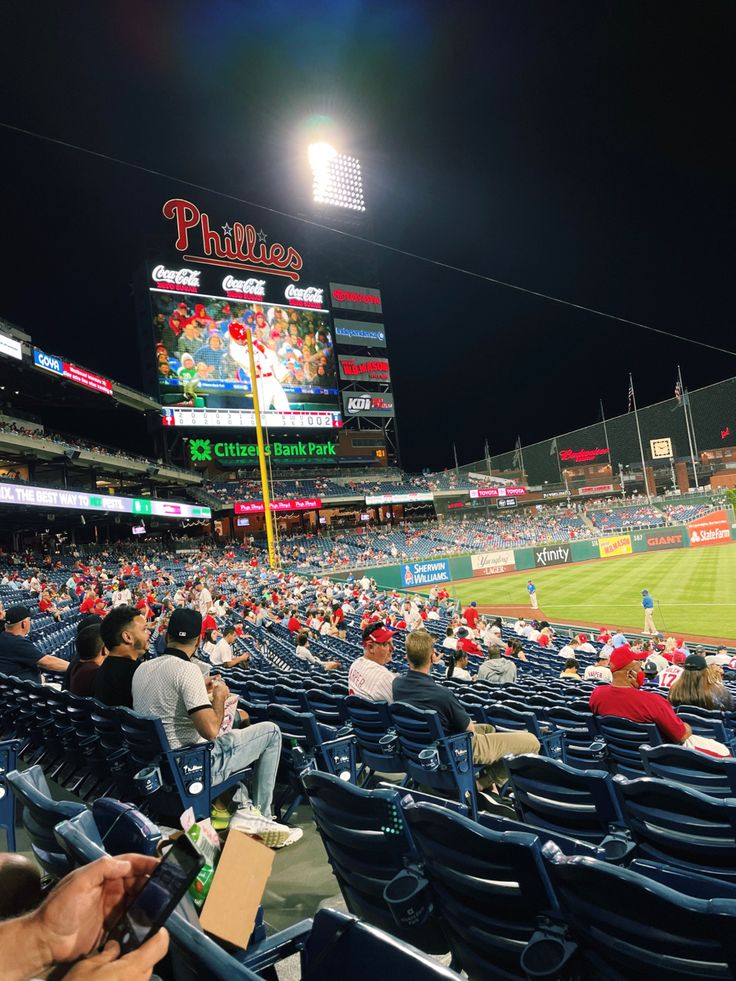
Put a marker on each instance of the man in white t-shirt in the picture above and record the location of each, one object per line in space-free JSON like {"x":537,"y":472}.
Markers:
{"x":599,"y":671}
{"x":223,"y":655}
{"x":368,"y":676}
{"x":450,"y":641}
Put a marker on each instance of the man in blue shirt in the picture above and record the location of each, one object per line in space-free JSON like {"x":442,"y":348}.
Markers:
{"x":532,"y":590}
{"x":18,"y":656}
{"x":648,"y":603}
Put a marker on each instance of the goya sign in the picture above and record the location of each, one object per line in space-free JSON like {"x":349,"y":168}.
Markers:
{"x":233,"y":454}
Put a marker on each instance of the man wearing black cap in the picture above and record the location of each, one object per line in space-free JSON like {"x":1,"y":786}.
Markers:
{"x":18,"y":656}
{"x":191,"y":709}
{"x":368,"y":676}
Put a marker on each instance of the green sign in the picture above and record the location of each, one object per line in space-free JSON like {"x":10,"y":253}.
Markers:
{"x":206,"y":451}
{"x":141,"y":506}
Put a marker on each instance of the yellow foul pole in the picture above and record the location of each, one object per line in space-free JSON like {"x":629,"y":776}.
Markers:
{"x":272,"y":557}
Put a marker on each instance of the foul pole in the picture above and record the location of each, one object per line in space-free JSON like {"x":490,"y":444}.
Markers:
{"x":272,"y":554}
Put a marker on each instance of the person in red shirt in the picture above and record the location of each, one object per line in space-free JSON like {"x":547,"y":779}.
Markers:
{"x":624,"y":699}
{"x":471,"y":615}
{"x":466,"y":643}
{"x":604,"y":636}
{"x":293,"y":625}
{"x":208,"y":623}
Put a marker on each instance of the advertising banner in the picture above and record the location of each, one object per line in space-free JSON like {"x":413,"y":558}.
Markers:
{"x":365,"y":298}
{"x":425,"y":573}
{"x":598,"y":489}
{"x":364,"y":369}
{"x":659,"y":538}
{"x":615,"y":545}
{"x":365,"y":404}
{"x":233,"y":453}
{"x":712,"y":529}
{"x":57,"y":366}
{"x":46,"y":497}
{"x":556,"y":555}
{"x":372,"y":499}
{"x":493,"y":563}
{"x":482,"y":492}
{"x":10,"y":347}
{"x":354,"y":333}
{"x":257,"y":507}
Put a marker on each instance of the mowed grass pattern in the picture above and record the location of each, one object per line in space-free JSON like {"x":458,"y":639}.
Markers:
{"x":694,"y":591}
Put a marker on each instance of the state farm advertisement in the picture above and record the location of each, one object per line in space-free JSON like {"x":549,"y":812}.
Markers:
{"x":364,"y":369}
{"x":493,"y":563}
{"x":712,"y":529}
{"x":257,"y":507}
{"x":498,"y":492}
{"x":614,"y":545}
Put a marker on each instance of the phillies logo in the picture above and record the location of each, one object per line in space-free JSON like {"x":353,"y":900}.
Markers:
{"x":239,"y":245}
{"x":249,"y":287}
{"x":181,"y":277}
{"x":309,"y":295}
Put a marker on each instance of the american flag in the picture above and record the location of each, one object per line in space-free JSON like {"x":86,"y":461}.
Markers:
{"x":631,"y":394}
{"x":678,"y":391}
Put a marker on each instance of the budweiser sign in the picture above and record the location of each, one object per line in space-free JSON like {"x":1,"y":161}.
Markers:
{"x":583,"y":456}
{"x":244,"y":289}
{"x":238,"y":245}
{"x":307,"y":296}
{"x":180,"y":280}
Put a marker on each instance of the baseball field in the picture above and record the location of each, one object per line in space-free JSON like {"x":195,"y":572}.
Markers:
{"x":694,"y":590}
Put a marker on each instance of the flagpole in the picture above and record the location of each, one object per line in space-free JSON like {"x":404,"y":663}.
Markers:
{"x":605,"y":434}
{"x":487,"y":451}
{"x":638,"y":432}
{"x":457,"y":468}
{"x":521,"y":457}
{"x":556,"y":450}
{"x":685,"y":401}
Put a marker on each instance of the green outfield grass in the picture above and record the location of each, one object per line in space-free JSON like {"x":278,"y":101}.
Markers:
{"x":694,"y":591}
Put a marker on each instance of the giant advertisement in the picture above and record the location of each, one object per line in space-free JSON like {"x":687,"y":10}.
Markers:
{"x":355,"y":333}
{"x":364,"y":369}
{"x":615,"y":545}
{"x":493,"y":563}
{"x":712,"y":529}
{"x":425,"y":573}
{"x":366,"y":404}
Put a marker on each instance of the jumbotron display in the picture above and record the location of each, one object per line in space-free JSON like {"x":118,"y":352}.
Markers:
{"x":48,"y":497}
{"x":204,"y":376}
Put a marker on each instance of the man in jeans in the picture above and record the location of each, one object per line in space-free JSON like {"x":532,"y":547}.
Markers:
{"x":191,"y":709}
{"x":418,"y":689}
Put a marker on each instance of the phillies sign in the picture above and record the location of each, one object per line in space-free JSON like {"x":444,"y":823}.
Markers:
{"x":237,"y":246}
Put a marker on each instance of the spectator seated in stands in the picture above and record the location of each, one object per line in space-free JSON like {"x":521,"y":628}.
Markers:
{"x":174,"y":690}
{"x":457,"y":666}
{"x":623,"y":698}
{"x":368,"y":676}
{"x":515,"y":649}
{"x":701,"y":685}
{"x":418,"y":689}
{"x":571,"y":669}
{"x":18,"y":656}
{"x":80,"y":678}
{"x":496,"y":669}
{"x":304,"y":654}
{"x":600,"y":671}
{"x":125,"y":635}
{"x":223,"y":654}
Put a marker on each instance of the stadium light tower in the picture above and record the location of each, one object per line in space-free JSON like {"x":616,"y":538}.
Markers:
{"x":336,"y":178}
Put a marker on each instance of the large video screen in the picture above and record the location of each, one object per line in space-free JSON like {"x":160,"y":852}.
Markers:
{"x":204,"y":376}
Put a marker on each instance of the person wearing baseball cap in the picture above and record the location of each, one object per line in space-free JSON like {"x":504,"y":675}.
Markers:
{"x":368,"y":676}
{"x":624,"y":698}
{"x":19,"y":658}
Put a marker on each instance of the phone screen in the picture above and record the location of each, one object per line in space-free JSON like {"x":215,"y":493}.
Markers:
{"x":160,"y":895}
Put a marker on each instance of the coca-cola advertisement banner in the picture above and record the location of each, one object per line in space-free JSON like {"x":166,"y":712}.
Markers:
{"x":364,"y":369}
{"x":258,"y":507}
{"x":364,"y":298}
{"x":201,"y":318}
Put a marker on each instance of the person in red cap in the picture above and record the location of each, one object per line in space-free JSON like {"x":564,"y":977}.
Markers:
{"x":368,"y":676}
{"x":624,"y":699}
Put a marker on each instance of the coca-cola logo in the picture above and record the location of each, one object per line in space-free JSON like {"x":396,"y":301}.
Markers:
{"x":179,"y":277}
{"x":239,"y":246}
{"x":308,"y":295}
{"x":249,"y":287}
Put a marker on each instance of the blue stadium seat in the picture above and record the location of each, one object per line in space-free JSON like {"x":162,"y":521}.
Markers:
{"x":623,"y":739}
{"x":488,"y":888}
{"x":629,"y":926}
{"x":367,"y":842}
{"x":680,"y":827}
{"x":373,"y":729}
{"x":8,"y":762}
{"x":698,"y":771}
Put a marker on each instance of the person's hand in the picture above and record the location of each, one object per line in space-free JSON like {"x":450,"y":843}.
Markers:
{"x":220,"y":691}
{"x":88,"y":901}
{"x":108,"y":965}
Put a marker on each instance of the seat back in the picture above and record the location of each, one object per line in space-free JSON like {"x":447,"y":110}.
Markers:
{"x":680,"y":827}
{"x":367,"y":842}
{"x":629,"y":926}
{"x":488,"y":887}
{"x":341,"y":947}
{"x":8,"y":762}
{"x":371,"y":722}
{"x":553,"y":796}
{"x":40,"y":814}
{"x":688,"y":767}
{"x":623,"y":739}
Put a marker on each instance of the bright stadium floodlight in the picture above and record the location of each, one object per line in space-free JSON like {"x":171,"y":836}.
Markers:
{"x":337,"y":180}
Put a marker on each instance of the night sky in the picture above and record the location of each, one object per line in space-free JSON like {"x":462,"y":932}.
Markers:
{"x":578,"y":149}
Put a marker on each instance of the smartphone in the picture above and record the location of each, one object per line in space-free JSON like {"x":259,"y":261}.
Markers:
{"x":159,"y":896}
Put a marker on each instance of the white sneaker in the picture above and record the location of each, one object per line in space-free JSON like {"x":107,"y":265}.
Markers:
{"x":250,"y":821}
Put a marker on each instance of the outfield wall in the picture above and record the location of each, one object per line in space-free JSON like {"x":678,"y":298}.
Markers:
{"x":716,"y":528}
